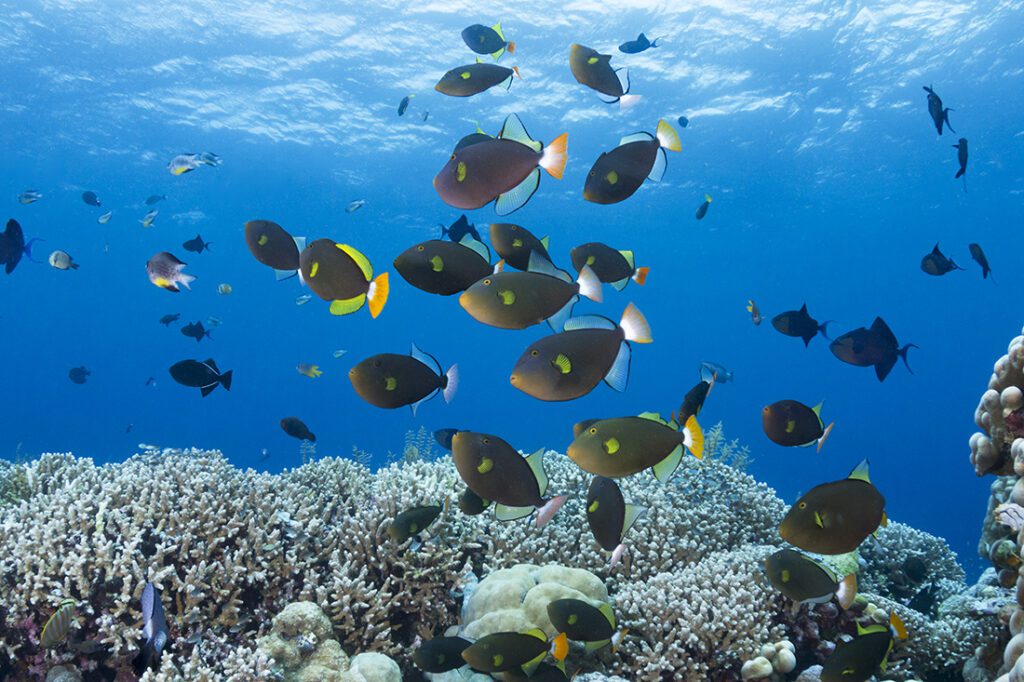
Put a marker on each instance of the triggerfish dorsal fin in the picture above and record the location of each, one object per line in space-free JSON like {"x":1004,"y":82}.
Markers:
{"x":628,"y":255}
{"x":514,"y":130}
{"x":426,"y":358}
{"x":477,"y":246}
{"x":362,"y":261}
{"x":636,"y":137}
{"x":545,"y":242}
{"x":653,"y":416}
{"x":881,"y":328}
{"x":860,"y":472}
{"x":536,"y":462}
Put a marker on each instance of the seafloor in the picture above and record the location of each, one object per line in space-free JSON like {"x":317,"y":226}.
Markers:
{"x":288,"y":576}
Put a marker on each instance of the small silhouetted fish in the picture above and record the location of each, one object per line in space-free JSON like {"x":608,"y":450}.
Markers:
{"x":637,"y":46}
{"x":792,"y":424}
{"x":458,"y":230}
{"x":155,"y":199}
{"x":514,"y":244}
{"x":13,"y":246}
{"x":411,"y":522}
{"x":56,"y":630}
{"x":264,"y":455}
{"x":961,"y":157}
{"x":354,"y":206}
{"x":426,"y":115}
{"x":702,"y":210}
{"x":937,"y":264}
{"x":78,"y":375}
{"x":167,"y":319}
{"x":30,"y":196}
{"x":128,"y":429}
{"x":713,"y":372}
{"x":154,"y":624}
{"x":150,"y":382}
{"x":296,"y":428}
{"x":581,"y":621}
{"x":202,"y":375}
{"x":91,"y":199}
{"x":404,"y":104}
{"x":440,"y":654}
{"x":799,"y":324}
{"x":472,"y":79}
{"x":196,"y":330}
{"x":610,"y":265}
{"x":165,"y":271}
{"x":147,"y":220}
{"x":807,"y":581}
{"x":939,"y":115}
{"x":683,"y":121}
{"x":693,"y":401}
{"x":618,"y":174}
{"x":925,"y":600}
{"x":593,"y":69}
{"x":487,"y":40}
{"x":979,"y":257}
{"x":609,"y":517}
{"x":915,"y":568}
{"x":875,"y":347}
{"x":303,"y":299}
{"x":197,"y":245}
{"x":390,"y":381}
{"x":442,"y":267}
{"x":89,"y":646}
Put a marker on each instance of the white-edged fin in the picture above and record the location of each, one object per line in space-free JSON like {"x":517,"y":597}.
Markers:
{"x":634,"y":325}
{"x":588,"y":322}
{"x":590,"y":284}
{"x":594,"y":646}
{"x":514,"y":130}
{"x":505,"y":513}
{"x":300,"y":243}
{"x":514,"y":199}
{"x":618,"y":375}
{"x":623,"y":76}
{"x":558,"y":320}
{"x":479,"y":247}
{"x":607,"y":99}
{"x":633,"y":512}
{"x":281,"y":275}
{"x":621,"y":284}
{"x":536,"y":462}
{"x":636,"y":137}
{"x":664,"y":469}
{"x":539,"y":263}
{"x":667,"y":137}
{"x":452,"y":385}
{"x":426,"y":358}
{"x":630,"y":259}
{"x":148,"y":596}
{"x":658,"y":168}
{"x":416,"y":405}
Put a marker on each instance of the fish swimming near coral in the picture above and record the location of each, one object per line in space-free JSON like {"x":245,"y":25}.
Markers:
{"x":618,"y":174}
{"x":504,"y":651}
{"x":341,"y":274}
{"x":593,"y":69}
{"x":166,"y":271}
{"x":515,"y":245}
{"x":581,"y":621}
{"x":609,"y":518}
{"x":939,"y":115}
{"x":807,"y":581}
{"x":472,"y":79}
{"x":569,"y":364}
{"x":979,"y":257}
{"x":154,"y":624}
{"x":693,"y":401}
{"x":443,"y":267}
{"x":472,"y":504}
{"x":296,"y":428}
{"x":440,"y":654}
{"x":487,"y":40}
{"x":857,"y":660}
{"x":505,"y":170}
{"x":799,"y":324}
{"x":611,"y":266}
{"x":494,"y":470}
{"x":202,"y":375}
{"x":874,"y":347}
{"x":623,"y":446}
{"x":790,"y":423}
{"x":936,"y":263}
{"x":411,"y":522}
{"x":834,"y":518}
{"x":56,"y":630}
{"x":391,"y":381}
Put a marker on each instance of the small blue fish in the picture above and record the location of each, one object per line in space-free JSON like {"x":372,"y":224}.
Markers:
{"x":713,"y":371}
{"x":30,"y":196}
{"x":355,"y":205}
{"x":639,"y":45}
{"x":154,"y":624}
{"x":683,"y":121}
{"x":56,"y":630}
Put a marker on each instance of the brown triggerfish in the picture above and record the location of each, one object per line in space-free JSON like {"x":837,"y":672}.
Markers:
{"x":875,"y":347}
{"x":339,"y":273}
{"x":807,"y":581}
{"x":611,"y":265}
{"x":792,"y":424}
{"x":514,"y":244}
{"x":503,"y":651}
{"x":800,"y":324}
{"x":609,"y":517}
{"x":623,"y":446}
{"x":868,"y":653}
{"x":390,"y":381}
{"x":472,"y":79}
{"x":440,"y":654}
{"x":834,"y":518}
{"x":444,"y":267}
{"x":584,"y":622}
{"x":593,"y":69}
{"x":296,"y":428}
{"x":618,"y":174}
{"x":505,"y":170}
{"x":273,"y":246}
{"x":411,"y":522}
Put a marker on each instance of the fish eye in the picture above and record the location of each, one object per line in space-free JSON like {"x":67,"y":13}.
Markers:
{"x":452,"y":157}
{"x":420,"y":247}
{"x":376,"y":363}
{"x":593,"y":430}
{"x":486,"y":441}
{"x":802,"y":505}
{"x":534,"y":352}
{"x":487,"y":282}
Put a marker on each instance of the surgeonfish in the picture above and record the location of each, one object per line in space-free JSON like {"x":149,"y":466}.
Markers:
{"x":443,"y":267}
{"x":505,"y":169}
{"x":609,"y":518}
{"x":618,"y":174}
{"x":834,"y":518}
{"x":875,"y":347}
{"x":792,"y":424}
{"x":859,"y":659}
{"x":311,"y":371}
{"x":639,"y":45}
{"x":515,"y":244}
{"x":390,"y":381}
{"x":91,"y":199}
{"x":409,"y":523}
{"x":610,"y":265}
{"x":702,"y":210}
{"x":517,"y":300}
{"x":581,"y":621}
{"x":296,"y":428}
{"x":979,"y":257}
{"x":202,"y":375}
{"x":154,"y":624}
{"x":936,"y":263}
{"x":623,"y":446}
{"x":166,"y":271}
{"x":440,"y":654}
{"x":503,"y":651}
{"x":487,"y":40}
{"x":799,"y":324}
{"x":495,"y":471}
{"x":807,"y":581}
{"x":273,"y":246}
{"x":339,"y":273}
{"x":593,"y":69}
{"x":569,"y":364}
{"x":939,"y":115}
{"x":472,"y":79}
{"x":56,"y":630}
{"x":13,"y":246}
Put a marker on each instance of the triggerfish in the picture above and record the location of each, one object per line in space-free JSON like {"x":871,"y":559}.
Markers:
{"x":593,"y":69}
{"x":440,"y":654}
{"x":390,"y":381}
{"x":639,"y":45}
{"x":979,"y":257}
{"x":807,"y":581}
{"x":296,"y":428}
{"x":202,"y":375}
{"x":868,"y":653}
{"x":339,"y":273}
{"x":411,"y":522}
{"x":609,"y":518}
{"x":939,"y":115}
{"x":494,"y":470}
{"x":595,"y":626}
{"x":792,"y":424}
{"x":834,"y":518}
{"x":515,"y":244}
{"x":800,"y":324}
{"x":936,"y":263}
{"x":503,"y":651}
{"x":517,"y":300}
{"x":487,"y":40}
{"x":273,"y":246}
{"x":56,"y":630}
{"x":961,"y":158}
{"x":505,"y":169}
{"x":569,"y":364}
{"x":702,"y":210}
{"x":444,"y":267}
{"x":13,"y":246}
{"x":623,"y":446}
{"x":165,"y":271}
{"x":612,"y":266}
{"x":693,"y":401}
{"x":875,"y":347}
{"x":617,"y":174}
{"x":472,"y":79}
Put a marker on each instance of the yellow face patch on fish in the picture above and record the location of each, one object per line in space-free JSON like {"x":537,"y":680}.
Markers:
{"x":612,"y":177}
{"x":413,"y":528}
{"x":562,"y":363}
{"x":573,"y":619}
{"x":262,"y":241}
{"x":498,"y":660}
{"x":591,"y":260}
{"x":507,"y":297}
{"x":390,"y":383}
{"x":460,"y":171}
{"x":790,"y":426}
{"x":593,"y":507}
{"x":818,"y":520}
{"x":611,"y":446}
{"x":437,"y":264}
{"x":517,"y":243}
{"x":314,"y":268}
{"x":465,"y":75}
{"x":592,"y":60}
{"x":485,"y":465}
{"x":785,"y":575}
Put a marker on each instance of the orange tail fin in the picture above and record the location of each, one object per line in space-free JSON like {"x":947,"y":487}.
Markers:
{"x":554,"y":157}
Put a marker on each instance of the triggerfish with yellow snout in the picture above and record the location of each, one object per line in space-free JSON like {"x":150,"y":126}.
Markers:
{"x":494,"y":470}
{"x":390,"y":381}
{"x":610,"y":518}
{"x":792,"y":424}
{"x":623,"y":446}
{"x":807,"y":581}
{"x":618,"y":174}
{"x":505,"y":170}
{"x":339,"y":273}
{"x":581,"y":621}
{"x":834,"y":518}
{"x":504,"y":651}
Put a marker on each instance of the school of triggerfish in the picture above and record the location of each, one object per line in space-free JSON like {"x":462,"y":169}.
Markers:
{"x":522,"y":288}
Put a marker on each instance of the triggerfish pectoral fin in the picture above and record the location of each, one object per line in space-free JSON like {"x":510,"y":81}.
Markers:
{"x":516,"y":198}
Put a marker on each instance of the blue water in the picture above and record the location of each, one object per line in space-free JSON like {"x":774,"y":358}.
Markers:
{"x":808,"y":127}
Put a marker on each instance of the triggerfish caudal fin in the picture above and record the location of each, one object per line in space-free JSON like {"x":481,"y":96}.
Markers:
{"x":377,"y":294}
{"x":847,"y":591}
{"x":451,"y":384}
{"x":693,"y":437}
{"x":634,"y":325}
{"x":555,"y":155}
{"x":640,"y":276}
{"x":667,"y":137}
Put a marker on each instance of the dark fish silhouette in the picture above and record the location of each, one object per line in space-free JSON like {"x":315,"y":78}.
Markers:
{"x":443,"y":267}
{"x":472,"y":504}
{"x":167,"y":319}
{"x":860,"y":658}
{"x":800,"y":324}
{"x":458,"y":230}
{"x":196,"y":245}
{"x":472,"y":79}
{"x":979,"y":257}
{"x":78,"y":375}
{"x":639,"y":45}
{"x":875,"y":347}
{"x":202,"y":375}
{"x":618,"y":174}
{"x":939,"y":115}
{"x":514,"y":244}
{"x":91,"y":199}
{"x":440,"y":654}
{"x":196,"y":330}
{"x":593,"y":69}
{"x":693,"y":401}
{"x":155,"y":199}
{"x":961,"y":157}
{"x":296,"y":428}
{"x":683,"y":121}
{"x":13,"y":246}
{"x":936,"y":263}
{"x":404,"y":104}
{"x":487,"y":40}
{"x":702,"y":210}
{"x":154,"y":624}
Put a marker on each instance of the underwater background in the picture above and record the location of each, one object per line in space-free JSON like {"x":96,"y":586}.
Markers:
{"x":808,"y":127}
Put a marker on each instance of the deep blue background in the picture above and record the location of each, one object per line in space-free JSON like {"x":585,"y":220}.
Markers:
{"x":829,"y":185}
